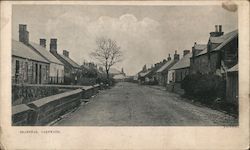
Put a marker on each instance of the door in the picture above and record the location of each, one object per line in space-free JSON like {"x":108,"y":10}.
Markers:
{"x":40,"y":74}
{"x":57,"y":76}
{"x":36,"y":73}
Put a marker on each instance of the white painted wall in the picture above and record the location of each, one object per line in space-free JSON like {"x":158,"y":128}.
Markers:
{"x":170,"y":76}
{"x":54,"y":70}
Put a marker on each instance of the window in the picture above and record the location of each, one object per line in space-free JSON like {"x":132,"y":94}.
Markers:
{"x":26,"y":71}
{"x":17,"y":67}
{"x":47,"y":72}
{"x":40,"y":74}
{"x":17,"y":71}
{"x":36,"y":73}
{"x":173,"y":77}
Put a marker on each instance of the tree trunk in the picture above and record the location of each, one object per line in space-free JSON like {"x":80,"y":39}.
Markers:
{"x":107,"y":72}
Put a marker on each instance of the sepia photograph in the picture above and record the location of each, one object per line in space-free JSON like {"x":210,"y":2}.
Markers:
{"x":124,"y":75}
{"x":124,"y":65}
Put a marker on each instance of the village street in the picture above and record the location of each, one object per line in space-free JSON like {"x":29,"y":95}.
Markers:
{"x":129,"y":104}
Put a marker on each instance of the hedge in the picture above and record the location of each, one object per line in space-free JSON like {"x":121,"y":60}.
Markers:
{"x":206,"y":88}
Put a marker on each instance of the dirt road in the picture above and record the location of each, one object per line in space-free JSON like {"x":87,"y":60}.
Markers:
{"x":129,"y":104}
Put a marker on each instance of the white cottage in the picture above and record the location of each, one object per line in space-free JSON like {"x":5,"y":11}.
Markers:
{"x":56,"y":67}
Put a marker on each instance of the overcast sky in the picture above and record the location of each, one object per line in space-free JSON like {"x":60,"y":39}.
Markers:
{"x":146,"y":34}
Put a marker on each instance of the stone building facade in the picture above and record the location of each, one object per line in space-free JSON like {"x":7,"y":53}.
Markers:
{"x":162,"y":72}
{"x":220,"y":54}
{"x":181,"y":69}
{"x":27,"y":65}
{"x":56,"y":68}
{"x":71,"y":68}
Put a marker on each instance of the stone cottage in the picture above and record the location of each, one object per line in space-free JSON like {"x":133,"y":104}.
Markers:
{"x":181,"y":69}
{"x":27,"y":65}
{"x":56,"y":68}
{"x":162,"y":72}
{"x":220,"y":54}
{"x":71,"y":68}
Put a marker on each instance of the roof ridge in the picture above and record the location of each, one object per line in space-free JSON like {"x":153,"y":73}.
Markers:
{"x":45,"y":50}
{"x":22,"y":50}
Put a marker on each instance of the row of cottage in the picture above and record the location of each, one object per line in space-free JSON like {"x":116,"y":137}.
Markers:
{"x":218,"y":56}
{"x":33,"y":63}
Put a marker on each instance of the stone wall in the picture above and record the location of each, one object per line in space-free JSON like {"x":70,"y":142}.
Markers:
{"x":202,"y":64}
{"x":25,"y":93}
{"x":48,"y":109}
{"x":180,"y":74}
{"x":175,"y":87}
{"x":29,"y":71}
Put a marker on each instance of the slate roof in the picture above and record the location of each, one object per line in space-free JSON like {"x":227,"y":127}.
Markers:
{"x":45,"y":53}
{"x":200,"y":46}
{"x":70,"y":61}
{"x":114,"y":71}
{"x":119,"y":76}
{"x":21,"y":50}
{"x":222,"y":38}
{"x":143,"y":74}
{"x":184,"y":62}
{"x":165,"y":66}
{"x":204,"y":51}
{"x":226,"y":38}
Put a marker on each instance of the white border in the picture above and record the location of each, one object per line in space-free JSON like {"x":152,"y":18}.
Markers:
{"x":169,"y":137}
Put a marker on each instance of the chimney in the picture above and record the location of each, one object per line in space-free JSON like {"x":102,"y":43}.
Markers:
{"x":169,"y":58}
{"x":23,"y":34}
{"x":66,"y":53}
{"x":220,"y":28}
{"x":43,"y":42}
{"x":216,"y":28}
{"x":176,"y":56}
{"x":185,"y":52}
{"x":218,"y":32}
{"x":53,"y":45}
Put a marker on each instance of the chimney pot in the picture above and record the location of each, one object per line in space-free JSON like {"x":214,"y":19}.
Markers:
{"x":43,"y":42}
{"x":169,"y":58}
{"x":220,"y":28}
{"x":185,"y":52}
{"x":66,"y":53}
{"x":176,"y":56}
{"x":216,"y":28}
{"x":218,"y":32}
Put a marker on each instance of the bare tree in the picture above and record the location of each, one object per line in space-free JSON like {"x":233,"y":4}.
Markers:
{"x":107,"y":53}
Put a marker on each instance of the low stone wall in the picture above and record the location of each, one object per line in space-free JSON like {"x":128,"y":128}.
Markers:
{"x":90,"y":91}
{"x":45,"y":110}
{"x":52,"y":107}
{"x":87,"y":92}
{"x":175,"y":87}
{"x":25,"y":93}
{"x":21,"y":115}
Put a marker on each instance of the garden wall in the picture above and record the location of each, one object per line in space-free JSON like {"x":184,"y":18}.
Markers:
{"x":25,"y":93}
